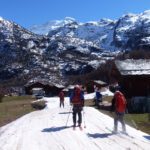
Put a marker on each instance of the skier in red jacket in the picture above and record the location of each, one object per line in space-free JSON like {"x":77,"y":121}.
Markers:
{"x":77,"y":100}
{"x":119,"y":106}
{"x":61,"y":98}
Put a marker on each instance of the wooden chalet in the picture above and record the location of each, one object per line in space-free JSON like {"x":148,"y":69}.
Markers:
{"x":134,"y":80}
{"x":134,"y":77}
{"x":49,"y":89}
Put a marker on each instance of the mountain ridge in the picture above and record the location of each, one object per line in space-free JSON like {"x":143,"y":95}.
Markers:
{"x":69,"y":48}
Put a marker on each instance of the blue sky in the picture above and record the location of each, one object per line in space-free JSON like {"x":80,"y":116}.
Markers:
{"x":30,"y":12}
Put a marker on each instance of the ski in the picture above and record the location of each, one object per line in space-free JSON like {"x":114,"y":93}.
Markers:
{"x":81,"y":128}
{"x":119,"y":132}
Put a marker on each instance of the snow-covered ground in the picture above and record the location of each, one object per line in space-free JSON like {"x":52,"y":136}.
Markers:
{"x":47,"y":130}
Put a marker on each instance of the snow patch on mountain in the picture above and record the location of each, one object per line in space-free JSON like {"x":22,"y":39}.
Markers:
{"x":1,"y":18}
{"x":95,"y":63}
{"x":51,"y":25}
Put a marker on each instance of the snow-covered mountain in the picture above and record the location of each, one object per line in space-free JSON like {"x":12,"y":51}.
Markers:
{"x":130,"y":31}
{"x":25,"y":54}
{"x":67,"y":47}
{"x":48,"y":129}
{"x":51,"y":25}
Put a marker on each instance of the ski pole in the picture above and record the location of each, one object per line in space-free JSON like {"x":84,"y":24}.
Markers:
{"x":133,"y":122}
{"x":68,"y":116}
{"x":84,"y":119}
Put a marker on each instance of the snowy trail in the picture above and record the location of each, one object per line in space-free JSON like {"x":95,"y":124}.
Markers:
{"x":46,"y":130}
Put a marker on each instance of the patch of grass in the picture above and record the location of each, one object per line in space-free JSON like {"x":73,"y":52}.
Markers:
{"x":141,"y":120}
{"x":14,"y":107}
{"x":89,"y":102}
{"x":107,"y":98}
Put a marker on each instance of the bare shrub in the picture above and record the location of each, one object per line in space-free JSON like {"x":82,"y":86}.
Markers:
{"x":38,"y":104}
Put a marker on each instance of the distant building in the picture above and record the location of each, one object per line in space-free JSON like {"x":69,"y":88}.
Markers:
{"x":38,"y":93}
{"x":49,"y":89}
{"x":91,"y":85}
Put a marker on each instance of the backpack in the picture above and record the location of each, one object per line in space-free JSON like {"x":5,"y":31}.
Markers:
{"x":120,"y":102}
{"x":77,"y":98}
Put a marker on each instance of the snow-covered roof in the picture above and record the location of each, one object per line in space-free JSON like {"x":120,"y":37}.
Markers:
{"x":36,"y":89}
{"x":44,"y":82}
{"x":59,"y":86}
{"x":99,"y":82}
{"x":71,"y":86}
{"x":133,"y":67}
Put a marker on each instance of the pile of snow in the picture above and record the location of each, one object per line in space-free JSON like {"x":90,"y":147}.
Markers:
{"x":104,"y":92}
{"x":89,"y":96}
{"x":107,"y":92}
{"x":48,"y":129}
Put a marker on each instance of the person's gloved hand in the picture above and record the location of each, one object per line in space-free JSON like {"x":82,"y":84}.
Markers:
{"x":83,"y":104}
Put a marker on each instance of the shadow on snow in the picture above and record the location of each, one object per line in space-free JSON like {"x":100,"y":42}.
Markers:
{"x":99,"y":135}
{"x":55,"y":129}
{"x":65,"y":112}
{"x":147,"y":137}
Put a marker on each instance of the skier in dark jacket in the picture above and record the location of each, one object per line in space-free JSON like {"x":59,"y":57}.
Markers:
{"x":77,"y":100}
{"x":98,"y":97}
